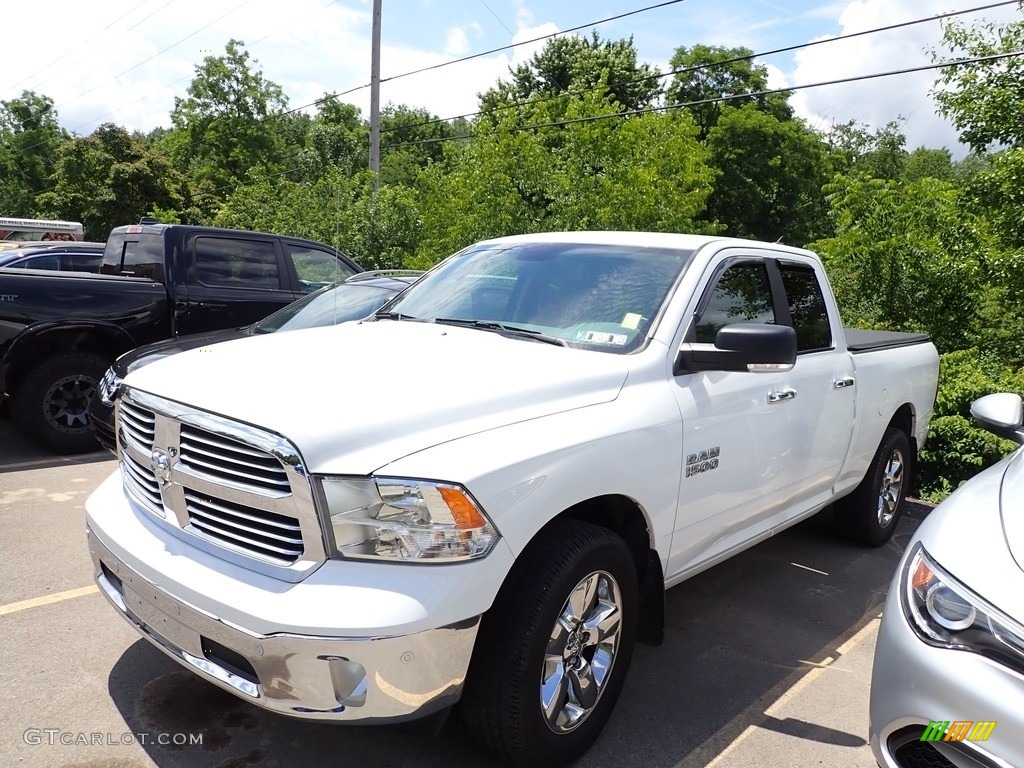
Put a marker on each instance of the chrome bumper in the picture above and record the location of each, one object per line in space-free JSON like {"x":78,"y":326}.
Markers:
{"x":369,"y":680}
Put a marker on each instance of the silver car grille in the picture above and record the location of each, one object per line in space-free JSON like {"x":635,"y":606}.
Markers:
{"x":228,"y":488}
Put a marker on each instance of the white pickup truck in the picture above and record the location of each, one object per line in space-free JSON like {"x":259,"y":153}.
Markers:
{"x":480,"y":494}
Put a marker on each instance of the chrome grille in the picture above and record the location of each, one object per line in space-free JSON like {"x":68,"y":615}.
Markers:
{"x":138,"y":423}
{"x":143,"y":482}
{"x":224,"y":459}
{"x":259,"y":531}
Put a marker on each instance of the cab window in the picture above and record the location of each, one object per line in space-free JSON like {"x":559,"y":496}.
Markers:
{"x":806,"y":307}
{"x":742,"y":294}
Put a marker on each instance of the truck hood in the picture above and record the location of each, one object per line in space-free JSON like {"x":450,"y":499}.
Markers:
{"x":357,"y":396}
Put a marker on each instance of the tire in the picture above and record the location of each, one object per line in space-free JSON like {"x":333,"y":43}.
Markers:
{"x":51,"y":401}
{"x":532,"y":647}
{"x":871,"y":513}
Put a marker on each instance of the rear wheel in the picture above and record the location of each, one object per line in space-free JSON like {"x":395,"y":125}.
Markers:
{"x":555,"y":647}
{"x":871,"y":513}
{"x":51,"y":402}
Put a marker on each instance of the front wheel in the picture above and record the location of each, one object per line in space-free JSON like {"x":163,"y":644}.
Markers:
{"x":554,"y":649}
{"x":51,"y":402}
{"x":870,"y":514}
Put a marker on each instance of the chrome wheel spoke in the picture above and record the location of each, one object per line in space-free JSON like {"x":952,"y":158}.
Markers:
{"x":602,"y":623}
{"x":582,"y":598}
{"x":583,"y":688}
{"x":554,"y":690}
{"x":559,"y":636}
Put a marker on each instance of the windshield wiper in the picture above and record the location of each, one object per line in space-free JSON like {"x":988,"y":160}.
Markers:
{"x":394,"y":316}
{"x":502,"y":328}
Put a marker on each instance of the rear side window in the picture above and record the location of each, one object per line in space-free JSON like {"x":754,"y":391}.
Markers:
{"x":741,"y":295}
{"x":236,"y":263}
{"x":136,"y":254}
{"x":315,"y":268}
{"x":807,"y":307}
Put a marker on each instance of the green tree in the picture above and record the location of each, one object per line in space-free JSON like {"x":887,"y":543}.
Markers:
{"x":905,"y":256}
{"x":772,"y":175}
{"x":229,"y":123}
{"x":380,"y":230}
{"x":576,"y":65}
{"x":924,"y":163}
{"x":855,"y":149}
{"x":411,"y":139}
{"x":644,"y":172}
{"x":30,"y":138}
{"x":338,"y":139}
{"x":110,"y":178}
{"x":984,"y":101}
{"x":705,"y":73}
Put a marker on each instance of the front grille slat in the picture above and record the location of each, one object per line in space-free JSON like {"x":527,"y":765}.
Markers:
{"x":144,"y":481}
{"x":214,"y":467}
{"x":138,"y":423}
{"x":277,"y":522}
{"x":260,"y":531}
{"x":224,"y":459}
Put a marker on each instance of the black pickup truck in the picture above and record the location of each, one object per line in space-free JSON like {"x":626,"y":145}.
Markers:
{"x":59,"y":331}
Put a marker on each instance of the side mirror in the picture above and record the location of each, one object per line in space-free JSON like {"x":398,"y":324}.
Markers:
{"x":755,"y":347}
{"x":1001,"y":414}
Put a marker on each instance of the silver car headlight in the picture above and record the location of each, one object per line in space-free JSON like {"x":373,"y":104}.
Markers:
{"x":108,"y":387}
{"x":403,"y":519}
{"x":945,"y":613}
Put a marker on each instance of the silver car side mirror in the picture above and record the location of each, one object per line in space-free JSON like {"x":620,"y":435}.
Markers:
{"x":1001,"y":414}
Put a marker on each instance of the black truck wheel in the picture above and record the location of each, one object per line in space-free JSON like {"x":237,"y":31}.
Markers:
{"x":50,"y":403}
{"x":554,"y":649}
{"x":870,"y":514}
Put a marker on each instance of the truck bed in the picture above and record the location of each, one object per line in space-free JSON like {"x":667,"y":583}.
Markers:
{"x":858,"y":340}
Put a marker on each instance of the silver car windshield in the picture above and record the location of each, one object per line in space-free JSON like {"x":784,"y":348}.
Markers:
{"x":597,"y":297}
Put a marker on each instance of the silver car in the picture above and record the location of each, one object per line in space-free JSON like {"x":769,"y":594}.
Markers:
{"x":947,"y":687}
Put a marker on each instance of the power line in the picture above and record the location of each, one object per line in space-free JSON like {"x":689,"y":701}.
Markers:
{"x":701,"y":67}
{"x":82,"y":43}
{"x":485,"y":5}
{"x":720,"y":99}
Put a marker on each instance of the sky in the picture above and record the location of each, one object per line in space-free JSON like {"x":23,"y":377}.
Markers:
{"x":125,"y":61}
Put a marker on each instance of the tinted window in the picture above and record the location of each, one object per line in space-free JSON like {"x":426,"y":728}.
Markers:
{"x":741,"y":295}
{"x":807,"y":307}
{"x":236,"y":263}
{"x":135,"y":253}
{"x":316,"y":268}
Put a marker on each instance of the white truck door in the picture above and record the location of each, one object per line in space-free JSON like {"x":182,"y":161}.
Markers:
{"x":824,"y":383}
{"x":736,"y":447}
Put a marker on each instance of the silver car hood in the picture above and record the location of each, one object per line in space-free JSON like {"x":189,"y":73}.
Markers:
{"x":1011,"y":506}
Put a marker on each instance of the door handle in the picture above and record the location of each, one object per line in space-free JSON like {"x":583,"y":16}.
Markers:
{"x":779,"y":395}
{"x":842,"y":382}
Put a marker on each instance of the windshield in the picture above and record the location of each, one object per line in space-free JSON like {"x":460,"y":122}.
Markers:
{"x":328,"y":306}
{"x":599,"y":297}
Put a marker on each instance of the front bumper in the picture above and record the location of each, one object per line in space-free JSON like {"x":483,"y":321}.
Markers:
{"x":913,"y":684}
{"x":371,"y":680}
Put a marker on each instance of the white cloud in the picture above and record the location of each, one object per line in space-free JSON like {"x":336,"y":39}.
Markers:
{"x":878,"y":101}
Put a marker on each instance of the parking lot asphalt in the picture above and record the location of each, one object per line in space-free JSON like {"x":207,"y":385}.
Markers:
{"x":766,"y":660}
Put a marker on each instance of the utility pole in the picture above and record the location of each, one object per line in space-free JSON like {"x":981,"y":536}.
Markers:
{"x":375,"y":94}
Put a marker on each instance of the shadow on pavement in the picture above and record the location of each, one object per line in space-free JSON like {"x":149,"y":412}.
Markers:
{"x":736,"y":636}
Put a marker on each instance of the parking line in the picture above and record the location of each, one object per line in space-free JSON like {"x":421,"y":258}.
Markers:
{"x":56,"y":597}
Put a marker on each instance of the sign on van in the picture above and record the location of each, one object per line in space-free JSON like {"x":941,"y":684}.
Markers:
{"x":39,"y":229}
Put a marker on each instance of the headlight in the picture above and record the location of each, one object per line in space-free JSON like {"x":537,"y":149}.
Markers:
{"x":108,"y":387}
{"x":399,"y":519}
{"x":947,"y":614}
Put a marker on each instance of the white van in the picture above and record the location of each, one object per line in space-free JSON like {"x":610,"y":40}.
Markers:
{"x":20,"y":230}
